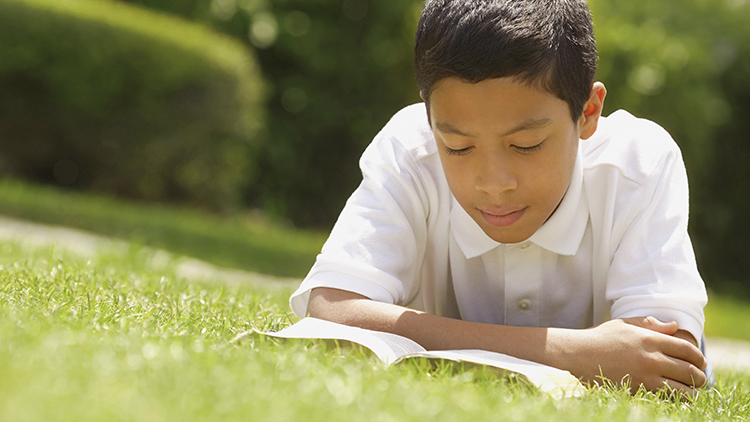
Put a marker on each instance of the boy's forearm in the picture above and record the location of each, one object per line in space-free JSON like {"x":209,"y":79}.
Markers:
{"x":431,"y":331}
{"x":616,"y":349}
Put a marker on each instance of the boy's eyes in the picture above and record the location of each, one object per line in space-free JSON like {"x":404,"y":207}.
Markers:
{"x":528,"y":150}
{"x":461,"y":151}
{"x":524,"y":150}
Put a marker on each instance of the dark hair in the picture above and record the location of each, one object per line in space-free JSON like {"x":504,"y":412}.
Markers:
{"x":548,"y":44}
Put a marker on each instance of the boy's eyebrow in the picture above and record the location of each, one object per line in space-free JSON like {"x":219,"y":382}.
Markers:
{"x":528,"y":124}
{"x":446,"y":127}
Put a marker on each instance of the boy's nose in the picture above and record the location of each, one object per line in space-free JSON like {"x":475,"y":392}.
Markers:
{"x":496,"y":177}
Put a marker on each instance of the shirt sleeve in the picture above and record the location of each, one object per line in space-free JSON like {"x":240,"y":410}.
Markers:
{"x":376,"y":244}
{"x":653,"y":271}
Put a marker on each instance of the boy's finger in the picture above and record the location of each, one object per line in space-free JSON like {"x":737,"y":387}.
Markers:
{"x":653,"y":324}
{"x":685,"y":335}
{"x":684,"y":372}
{"x":684,"y":351}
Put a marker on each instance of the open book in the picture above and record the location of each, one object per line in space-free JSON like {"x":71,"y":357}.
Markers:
{"x":392,"y":348}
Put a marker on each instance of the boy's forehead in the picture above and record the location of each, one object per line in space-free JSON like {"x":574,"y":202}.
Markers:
{"x":530,"y":123}
{"x":456,"y":106}
{"x":457,"y":82}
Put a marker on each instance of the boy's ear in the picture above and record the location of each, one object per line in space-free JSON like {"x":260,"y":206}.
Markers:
{"x":592,"y":110}
{"x":421,"y":95}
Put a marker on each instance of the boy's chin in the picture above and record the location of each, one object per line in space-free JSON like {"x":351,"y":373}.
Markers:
{"x":506,"y":235}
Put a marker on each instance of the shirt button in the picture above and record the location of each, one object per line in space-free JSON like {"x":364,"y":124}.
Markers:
{"x":525,"y":245}
{"x":524,"y":304}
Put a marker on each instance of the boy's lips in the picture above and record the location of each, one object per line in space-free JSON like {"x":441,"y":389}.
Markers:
{"x":502,"y":217}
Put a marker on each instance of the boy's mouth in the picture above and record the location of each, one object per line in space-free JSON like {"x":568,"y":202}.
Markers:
{"x":502,"y":217}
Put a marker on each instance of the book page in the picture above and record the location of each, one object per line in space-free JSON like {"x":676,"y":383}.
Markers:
{"x":556,"y":382}
{"x":392,"y":348}
{"x":386,"y":346}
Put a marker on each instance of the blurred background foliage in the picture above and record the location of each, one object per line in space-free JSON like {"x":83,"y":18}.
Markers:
{"x":111,"y":98}
{"x":336,"y":71}
{"x":333,"y":72}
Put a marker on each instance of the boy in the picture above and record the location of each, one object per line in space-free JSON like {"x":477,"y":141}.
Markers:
{"x":510,"y":217}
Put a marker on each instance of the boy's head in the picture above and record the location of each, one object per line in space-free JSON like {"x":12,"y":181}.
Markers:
{"x":547,"y":44}
{"x":509,"y":87}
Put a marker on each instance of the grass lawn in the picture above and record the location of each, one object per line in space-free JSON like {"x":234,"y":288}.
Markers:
{"x":118,"y":338}
{"x":727,"y":317}
{"x":239,"y":241}
{"x":114,"y":339}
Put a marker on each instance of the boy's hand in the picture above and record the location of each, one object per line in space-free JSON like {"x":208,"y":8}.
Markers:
{"x":668,"y":328}
{"x":641,"y":351}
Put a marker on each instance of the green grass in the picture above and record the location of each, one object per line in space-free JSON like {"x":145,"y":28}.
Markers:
{"x":727,"y":317}
{"x":239,"y":242}
{"x":121,"y":338}
{"x":116,"y":339}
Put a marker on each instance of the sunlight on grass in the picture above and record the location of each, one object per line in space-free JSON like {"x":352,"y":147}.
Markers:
{"x":116,"y":338}
{"x":727,"y":317}
{"x":244,"y":241}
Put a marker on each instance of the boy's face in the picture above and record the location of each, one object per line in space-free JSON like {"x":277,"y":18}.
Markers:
{"x":508,"y":152}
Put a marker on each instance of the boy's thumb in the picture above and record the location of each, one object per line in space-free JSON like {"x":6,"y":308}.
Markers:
{"x":653,"y":324}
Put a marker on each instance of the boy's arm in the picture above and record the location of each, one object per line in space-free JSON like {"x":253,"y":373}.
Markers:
{"x":642,"y":348}
{"x":652,"y":267}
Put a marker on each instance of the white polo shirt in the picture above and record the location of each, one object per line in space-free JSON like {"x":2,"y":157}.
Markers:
{"x":616,"y":247}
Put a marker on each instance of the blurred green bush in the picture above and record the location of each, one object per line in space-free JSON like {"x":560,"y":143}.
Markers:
{"x":105,"y":96}
{"x":337,"y":71}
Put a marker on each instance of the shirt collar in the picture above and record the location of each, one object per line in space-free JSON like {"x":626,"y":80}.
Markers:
{"x":562,"y":233}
